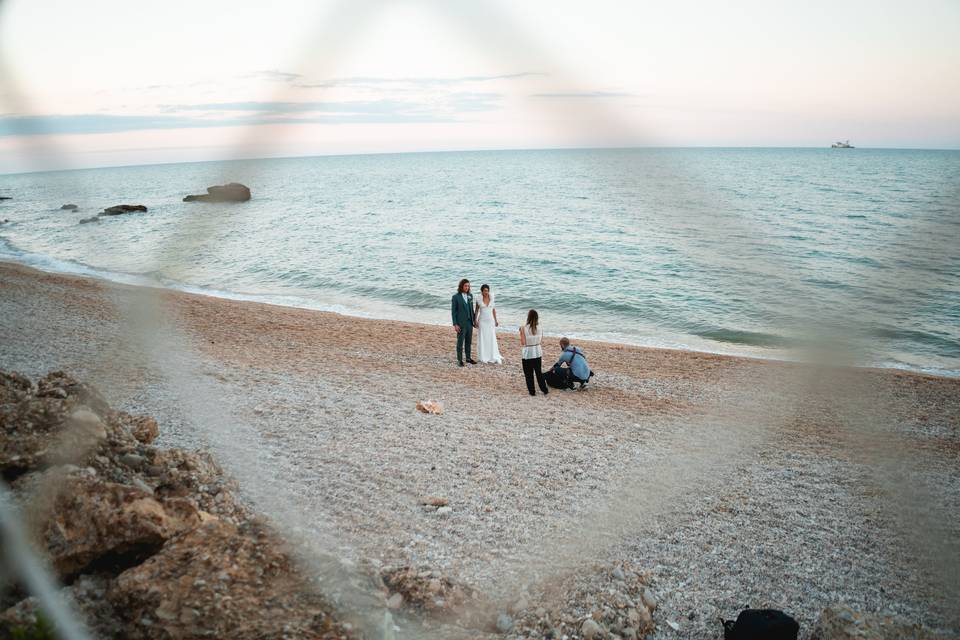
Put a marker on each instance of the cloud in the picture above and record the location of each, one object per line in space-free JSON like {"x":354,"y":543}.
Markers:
{"x":109,"y":123}
{"x":422,"y":82}
{"x":585,"y":94}
{"x":332,"y":106}
{"x":273,"y":74}
{"x":444,"y":108}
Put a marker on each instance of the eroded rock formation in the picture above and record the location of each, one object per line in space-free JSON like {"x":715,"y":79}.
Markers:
{"x":150,"y":542}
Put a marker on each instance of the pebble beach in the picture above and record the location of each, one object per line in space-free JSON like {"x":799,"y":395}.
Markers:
{"x":719,"y":482}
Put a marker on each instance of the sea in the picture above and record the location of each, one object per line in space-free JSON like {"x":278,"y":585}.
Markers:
{"x":771,"y":253}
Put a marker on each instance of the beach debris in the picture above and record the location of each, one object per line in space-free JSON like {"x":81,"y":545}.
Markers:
{"x":233,"y":192}
{"x":69,"y":207}
{"x":430,"y":406}
{"x":433,"y":501}
{"x":444,"y":511}
{"x":120,"y":209}
{"x":673,"y":625}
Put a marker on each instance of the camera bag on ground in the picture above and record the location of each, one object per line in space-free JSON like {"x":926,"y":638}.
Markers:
{"x":761,"y":624}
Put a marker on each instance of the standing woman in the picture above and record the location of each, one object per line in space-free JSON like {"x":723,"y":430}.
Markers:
{"x":531,"y":353}
{"x":486,"y":315}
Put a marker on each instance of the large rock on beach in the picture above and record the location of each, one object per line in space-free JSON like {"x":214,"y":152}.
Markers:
{"x":219,"y":580}
{"x":93,"y":525}
{"x":120,"y":209}
{"x":151,"y":543}
{"x":233,"y":192}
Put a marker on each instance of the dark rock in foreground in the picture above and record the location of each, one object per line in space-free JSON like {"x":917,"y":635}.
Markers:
{"x":150,"y":542}
{"x":69,"y":207}
{"x":233,"y":192}
{"x":122,"y":208}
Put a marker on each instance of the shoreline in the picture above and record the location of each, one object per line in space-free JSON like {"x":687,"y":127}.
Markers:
{"x":127,"y":280}
{"x":675,"y":463}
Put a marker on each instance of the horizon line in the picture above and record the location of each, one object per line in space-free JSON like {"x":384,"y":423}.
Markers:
{"x":465,"y":150}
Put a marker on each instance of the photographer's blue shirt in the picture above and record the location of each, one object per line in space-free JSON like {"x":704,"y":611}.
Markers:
{"x":574,"y":357}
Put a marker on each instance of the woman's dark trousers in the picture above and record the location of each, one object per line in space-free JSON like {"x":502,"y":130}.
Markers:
{"x":533,"y":366}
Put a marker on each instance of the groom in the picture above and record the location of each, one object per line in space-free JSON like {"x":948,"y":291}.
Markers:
{"x":461,"y":308}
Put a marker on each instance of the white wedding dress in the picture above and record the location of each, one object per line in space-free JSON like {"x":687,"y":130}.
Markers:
{"x":487,"y":348}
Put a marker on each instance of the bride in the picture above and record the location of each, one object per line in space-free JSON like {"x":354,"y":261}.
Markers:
{"x":486,"y":315}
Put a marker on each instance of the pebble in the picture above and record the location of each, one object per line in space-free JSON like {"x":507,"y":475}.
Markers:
{"x":504,"y":623}
{"x":618,"y":573}
{"x":649,"y":600}
{"x":444,"y":511}
{"x":591,"y":629}
{"x":132,"y":460}
{"x":394,"y":601}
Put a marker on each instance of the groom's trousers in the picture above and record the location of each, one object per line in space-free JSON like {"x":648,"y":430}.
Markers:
{"x":464,"y":338}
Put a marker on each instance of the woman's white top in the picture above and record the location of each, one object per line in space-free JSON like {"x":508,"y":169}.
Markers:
{"x":532,"y":348}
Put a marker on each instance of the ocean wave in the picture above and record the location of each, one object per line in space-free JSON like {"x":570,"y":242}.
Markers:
{"x":750,"y":338}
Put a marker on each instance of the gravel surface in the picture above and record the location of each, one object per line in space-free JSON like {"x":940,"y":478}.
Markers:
{"x":715,"y":483}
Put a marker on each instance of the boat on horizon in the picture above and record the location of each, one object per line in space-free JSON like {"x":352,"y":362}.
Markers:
{"x":842,"y":145}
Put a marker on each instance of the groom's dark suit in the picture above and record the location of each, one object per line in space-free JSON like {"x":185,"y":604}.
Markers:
{"x":462,"y":312}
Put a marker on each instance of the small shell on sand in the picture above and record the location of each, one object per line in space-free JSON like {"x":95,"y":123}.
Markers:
{"x":430,"y":406}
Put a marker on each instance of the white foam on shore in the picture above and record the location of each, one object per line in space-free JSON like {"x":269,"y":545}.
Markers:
{"x":10,"y":253}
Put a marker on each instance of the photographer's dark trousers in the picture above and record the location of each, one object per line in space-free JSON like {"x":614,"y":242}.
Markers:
{"x":534,"y":366}
{"x":465,"y":337}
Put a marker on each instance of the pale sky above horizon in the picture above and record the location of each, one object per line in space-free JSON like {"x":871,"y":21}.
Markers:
{"x":109,"y":82}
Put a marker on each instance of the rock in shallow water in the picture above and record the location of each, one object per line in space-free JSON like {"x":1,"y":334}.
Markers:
{"x":120,"y":209}
{"x":233,"y":192}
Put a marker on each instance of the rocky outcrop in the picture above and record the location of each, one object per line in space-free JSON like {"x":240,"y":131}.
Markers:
{"x":104,"y":526}
{"x":233,"y":192}
{"x":69,"y":207}
{"x":120,"y":209}
{"x":430,"y":594}
{"x":207,"y":583}
{"x":150,"y":542}
{"x":843,"y":623}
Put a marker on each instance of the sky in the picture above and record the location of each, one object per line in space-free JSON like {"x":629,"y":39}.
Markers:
{"x":113,"y":82}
